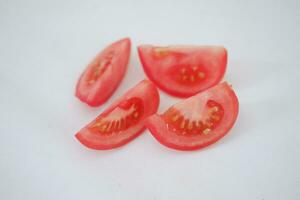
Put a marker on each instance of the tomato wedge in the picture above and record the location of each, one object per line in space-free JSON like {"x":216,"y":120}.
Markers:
{"x":103,"y":75}
{"x":184,"y":71}
{"x":123,"y":120}
{"x":197,"y":121}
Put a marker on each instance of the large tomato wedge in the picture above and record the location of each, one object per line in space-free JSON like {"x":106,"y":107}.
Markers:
{"x":184,"y":71}
{"x":103,"y":75}
{"x":197,"y":121}
{"x":123,"y":120}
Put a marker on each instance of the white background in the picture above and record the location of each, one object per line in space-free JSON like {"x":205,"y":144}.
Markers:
{"x":45,"y":45}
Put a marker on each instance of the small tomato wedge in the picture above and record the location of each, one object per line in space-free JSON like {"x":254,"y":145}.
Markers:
{"x":197,"y":121}
{"x":183,"y":71}
{"x":103,"y":75}
{"x":123,"y":120}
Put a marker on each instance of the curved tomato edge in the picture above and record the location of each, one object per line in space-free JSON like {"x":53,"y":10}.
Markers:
{"x":103,"y":100}
{"x":107,"y":147}
{"x":165,"y":143}
{"x":90,"y":103}
{"x":158,"y":137}
{"x":172,"y":92}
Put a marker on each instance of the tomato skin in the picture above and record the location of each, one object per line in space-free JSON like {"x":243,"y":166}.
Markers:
{"x":164,"y":81}
{"x":147,"y":92}
{"x":96,"y":146}
{"x":159,"y":129}
{"x":105,"y":85}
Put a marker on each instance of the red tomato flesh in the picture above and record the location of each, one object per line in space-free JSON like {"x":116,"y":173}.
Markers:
{"x":184,"y":71}
{"x":123,"y":120}
{"x":198,"y":121}
{"x":103,"y":75}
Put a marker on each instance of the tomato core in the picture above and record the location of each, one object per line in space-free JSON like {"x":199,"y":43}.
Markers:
{"x":211,"y":118}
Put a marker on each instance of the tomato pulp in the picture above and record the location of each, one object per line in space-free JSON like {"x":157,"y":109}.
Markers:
{"x":123,"y":120}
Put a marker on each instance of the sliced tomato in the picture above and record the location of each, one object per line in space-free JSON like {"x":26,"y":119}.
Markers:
{"x":184,"y":71}
{"x":197,"y":121}
{"x":103,"y":75}
{"x":123,"y":120}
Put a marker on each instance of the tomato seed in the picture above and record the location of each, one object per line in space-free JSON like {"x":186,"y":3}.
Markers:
{"x":206,"y":131}
{"x":175,"y":118}
{"x":201,"y":75}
